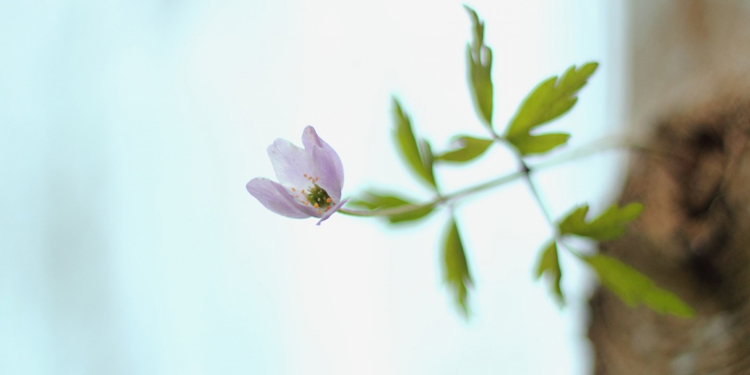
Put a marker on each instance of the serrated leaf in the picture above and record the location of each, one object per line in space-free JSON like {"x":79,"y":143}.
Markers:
{"x":377,"y":201}
{"x":549,"y":100}
{"x":539,"y":144}
{"x":478,"y":26}
{"x":469,"y":148}
{"x":479,"y":62}
{"x":456,"y":269}
{"x":609,"y":225}
{"x":550,"y":264}
{"x":635,"y":288}
{"x":407,"y":143}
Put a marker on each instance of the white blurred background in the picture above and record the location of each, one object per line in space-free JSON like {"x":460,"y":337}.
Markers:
{"x":128,"y":129}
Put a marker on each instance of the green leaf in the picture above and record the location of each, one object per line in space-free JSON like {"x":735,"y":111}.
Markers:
{"x":477,"y":25}
{"x":456,"y":269}
{"x":428,"y":161}
{"x":469,"y":148}
{"x":634,"y":288}
{"x":377,"y":201}
{"x":609,"y":225}
{"x":479,"y":61}
{"x":539,"y":144}
{"x":550,"y":264}
{"x":415,"y":157}
{"x":549,"y":100}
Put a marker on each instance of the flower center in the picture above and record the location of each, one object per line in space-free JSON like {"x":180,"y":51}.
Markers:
{"x":318,"y":197}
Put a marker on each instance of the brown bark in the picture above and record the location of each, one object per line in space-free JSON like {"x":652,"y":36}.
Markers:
{"x":691,"y":63}
{"x":693,"y":238}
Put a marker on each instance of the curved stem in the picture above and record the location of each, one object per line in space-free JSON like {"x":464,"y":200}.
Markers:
{"x":535,"y":193}
{"x":441,"y":199}
{"x":525,"y":172}
{"x":484,"y":186}
{"x":388,"y":211}
{"x":587,"y":150}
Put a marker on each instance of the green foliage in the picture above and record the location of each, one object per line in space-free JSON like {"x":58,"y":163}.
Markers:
{"x":428,"y":161}
{"x":548,"y":101}
{"x":550,"y":264}
{"x":609,"y":225}
{"x":628,"y":284}
{"x":539,"y":144}
{"x":635,"y":288}
{"x":478,"y":27}
{"x":375,"y":201}
{"x":418,"y":158}
{"x":479,"y":61}
{"x":456,"y":269}
{"x":469,"y":148}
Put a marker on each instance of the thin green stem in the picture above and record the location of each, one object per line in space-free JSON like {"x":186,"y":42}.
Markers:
{"x":438,"y":200}
{"x":609,"y":143}
{"x":587,"y":150}
{"x":388,"y":211}
{"x":525,"y":172}
{"x":535,"y":193}
{"x":484,"y":186}
{"x":567,"y":247}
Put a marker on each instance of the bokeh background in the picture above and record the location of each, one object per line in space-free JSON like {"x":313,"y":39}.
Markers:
{"x":128,"y":129}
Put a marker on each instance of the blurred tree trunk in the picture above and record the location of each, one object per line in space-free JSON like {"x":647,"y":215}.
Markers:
{"x":690,"y":100}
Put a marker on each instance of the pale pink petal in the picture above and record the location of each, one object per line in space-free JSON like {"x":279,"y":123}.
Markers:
{"x":310,"y":137}
{"x":326,"y":174}
{"x":275,"y":198}
{"x":328,"y":167}
{"x":332,"y":211}
{"x":298,"y":168}
{"x":291,"y":164}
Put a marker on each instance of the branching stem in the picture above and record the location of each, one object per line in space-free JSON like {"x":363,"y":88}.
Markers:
{"x":525,"y":173}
